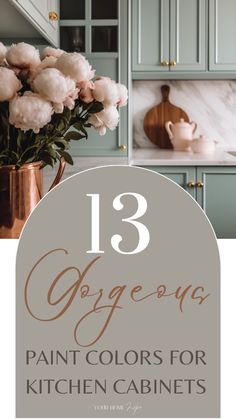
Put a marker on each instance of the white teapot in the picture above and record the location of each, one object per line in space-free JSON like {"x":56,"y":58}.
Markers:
{"x":180,"y":134}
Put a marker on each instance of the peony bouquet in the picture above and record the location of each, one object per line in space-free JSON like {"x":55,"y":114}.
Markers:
{"x":47,"y":101}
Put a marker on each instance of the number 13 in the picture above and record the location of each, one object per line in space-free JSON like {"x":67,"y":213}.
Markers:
{"x":144,"y":235}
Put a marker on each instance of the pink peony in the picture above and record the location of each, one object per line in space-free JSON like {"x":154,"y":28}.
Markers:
{"x":52,"y":52}
{"x":48,"y":62}
{"x":23,"y":55}
{"x":9,"y":84}
{"x":75,"y":66}
{"x":122,"y":95}
{"x":55,"y":87}
{"x":105,"y":91}
{"x":30,"y":111}
{"x":3,"y":51}
{"x":86,"y":94}
{"x":108,"y":118}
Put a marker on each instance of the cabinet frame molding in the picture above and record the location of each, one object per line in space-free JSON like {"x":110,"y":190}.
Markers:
{"x":201,"y":37}
{"x":163,"y":47}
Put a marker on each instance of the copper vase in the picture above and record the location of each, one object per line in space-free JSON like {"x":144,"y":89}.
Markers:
{"x":20,"y":192}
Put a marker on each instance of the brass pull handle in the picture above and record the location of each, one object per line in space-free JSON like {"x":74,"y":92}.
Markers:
{"x":191,"y":184}
{"x":200,"y":184}
{"x":165,"y":63}
{"x":173,"y":63}
{"x":122,"y":147}
{"x":53,"y":16}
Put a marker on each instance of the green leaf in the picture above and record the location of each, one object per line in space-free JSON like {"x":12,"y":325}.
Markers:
{"x":61,"y":144}
{"x":74,"y":135}
{"x":66,"y":156}
{"x":67,"y":114}
{"x":96,"y":107}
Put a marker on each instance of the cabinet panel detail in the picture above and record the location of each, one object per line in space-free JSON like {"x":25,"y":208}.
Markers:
{"x":188,"y":35}
{"x":222,"y":33}
{"x":150,"y":34}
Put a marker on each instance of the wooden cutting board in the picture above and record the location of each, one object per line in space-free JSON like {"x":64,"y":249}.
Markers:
{"x":155,"y":119}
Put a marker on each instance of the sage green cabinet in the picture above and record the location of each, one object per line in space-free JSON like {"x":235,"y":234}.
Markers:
{"x":150,"y":34}
{"x":188,"y":35}
{"x":183,"y":176}
{"x":214,"y":188}
{"x":43,"y":15}
{"x":169,"y":35}
{"x":222,"y":32}
{"x":217,"y":197}
{"x":99,"y":30}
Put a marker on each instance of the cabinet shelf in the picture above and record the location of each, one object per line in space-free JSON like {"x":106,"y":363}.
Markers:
{"x":203,"y":75}
{"x":88,"y":22}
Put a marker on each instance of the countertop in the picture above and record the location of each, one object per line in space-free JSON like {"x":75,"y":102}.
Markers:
{"x":143,"y":157}
{"x":154,"y":157}
{"x":80,"y":164}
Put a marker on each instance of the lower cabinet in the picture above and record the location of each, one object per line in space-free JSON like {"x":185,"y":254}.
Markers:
{"x":183,"y":176}
{"x":217,"y":197}
{"x":214,"y":188}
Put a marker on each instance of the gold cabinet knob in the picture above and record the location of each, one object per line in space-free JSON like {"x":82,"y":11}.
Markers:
{"x":200,"y":184}
{"x":173,"y":63}
{"x":53,"y":16}
{"x":191,"y":184}
{"x":122,"y":147}
{"x":165,"y":63}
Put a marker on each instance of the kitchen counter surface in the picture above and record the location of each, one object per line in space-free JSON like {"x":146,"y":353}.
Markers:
{"x":80,"y":164}
{"x":154,"y":157}
{"x":143,"y":157}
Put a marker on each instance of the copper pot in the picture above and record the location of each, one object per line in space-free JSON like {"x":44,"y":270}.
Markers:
{"x":20,"y":192}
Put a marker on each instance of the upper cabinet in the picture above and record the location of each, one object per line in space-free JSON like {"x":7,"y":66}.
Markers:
{"x":150,"y":25}
{"x":184,"y":38}
{"x":188,"y":35}
{"x":222,"y":32}
{"x":169,"y":35}
{"x":43,"y":15}
{"x":99,"y":30}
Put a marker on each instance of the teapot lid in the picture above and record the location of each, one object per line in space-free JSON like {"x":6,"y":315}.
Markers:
{"x":182,"y":123}
{"x":204,"y":139}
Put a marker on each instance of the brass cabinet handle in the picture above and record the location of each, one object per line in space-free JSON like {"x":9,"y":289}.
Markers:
{"x":165,"y":63}
{"x":200,"y":184}
{"x":53,"y":16}
{"x":173,"y":63}
{"x":191,"y":184}
{"x":122,"y":147}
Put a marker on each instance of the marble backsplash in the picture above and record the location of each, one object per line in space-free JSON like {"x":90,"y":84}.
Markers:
{"x":211,"y":104}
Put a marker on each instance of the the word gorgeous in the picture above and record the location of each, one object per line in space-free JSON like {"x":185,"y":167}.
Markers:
{"x":104,"y":302}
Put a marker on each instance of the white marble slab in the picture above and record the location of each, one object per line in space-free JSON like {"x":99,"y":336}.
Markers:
{"x":142,"y":157}
{"x":211,"y":104}
{"x":151,"y":157}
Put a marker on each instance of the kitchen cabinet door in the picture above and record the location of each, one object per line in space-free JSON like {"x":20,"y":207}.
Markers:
{"x":222,"y":48}
{"x":114,"y":143}
{"x":39,"y":13}
{"x":150,"y":35}
{"x":183,"y":176}
{"x":188,"y":35}
{"x":217,"y":197}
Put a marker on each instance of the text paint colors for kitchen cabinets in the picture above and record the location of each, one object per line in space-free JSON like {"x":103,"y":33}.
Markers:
{"x":214,"y":188}
{"x":99,"y":30}
{"x":169,"y":35}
